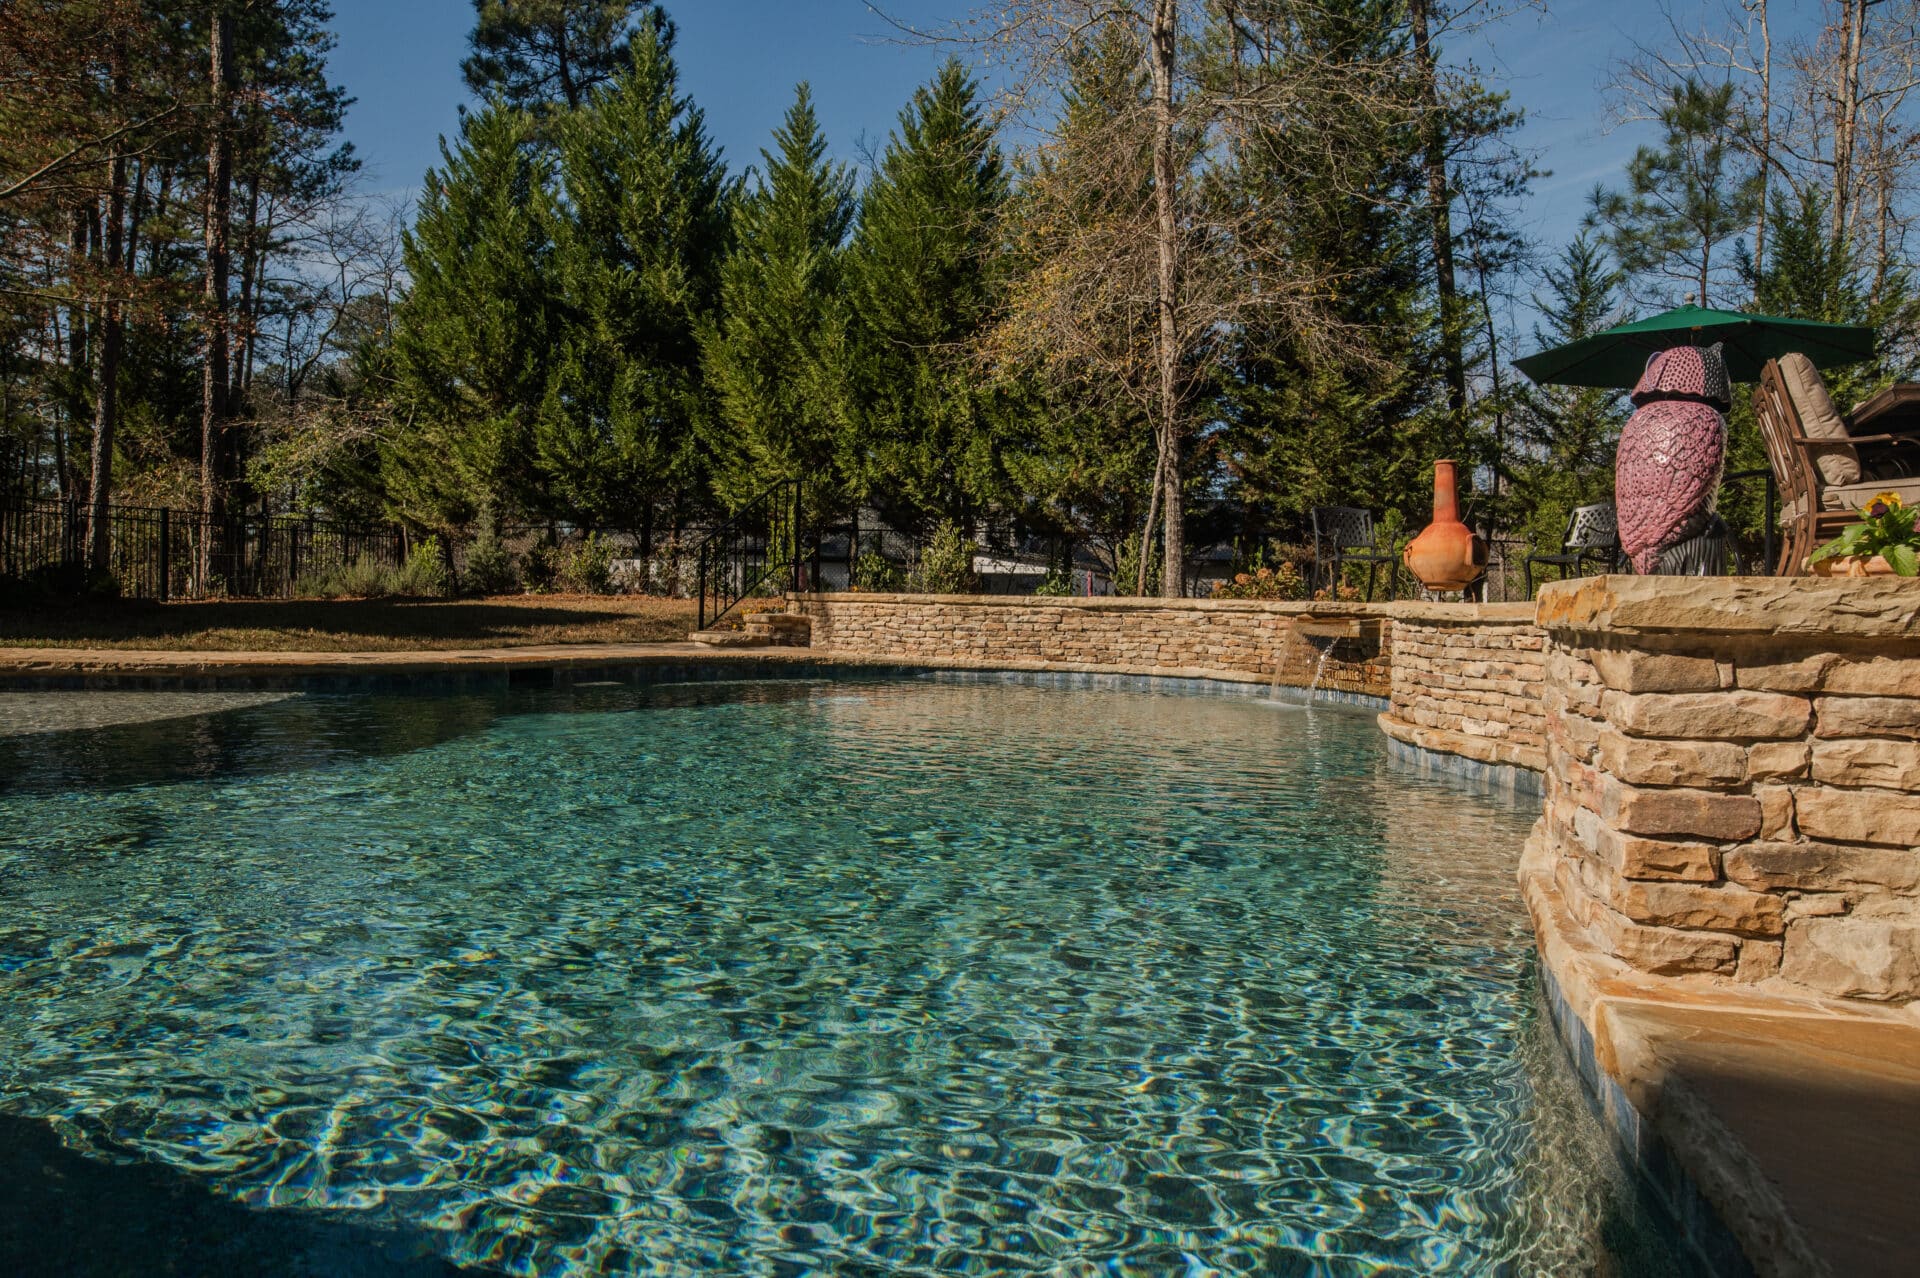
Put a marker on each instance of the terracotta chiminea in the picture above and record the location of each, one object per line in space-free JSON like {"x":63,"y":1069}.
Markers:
{"x":1446,"y":555}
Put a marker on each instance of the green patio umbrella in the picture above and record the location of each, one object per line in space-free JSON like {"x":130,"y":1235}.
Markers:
{"x":1618,"y":356}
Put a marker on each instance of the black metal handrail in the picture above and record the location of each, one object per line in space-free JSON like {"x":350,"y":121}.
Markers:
{"x":758,"y":544}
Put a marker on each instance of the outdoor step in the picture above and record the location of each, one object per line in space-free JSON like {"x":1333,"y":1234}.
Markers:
{"x":780,"y":620}
{"x":728,"y":639}
{"x":788,"y":630}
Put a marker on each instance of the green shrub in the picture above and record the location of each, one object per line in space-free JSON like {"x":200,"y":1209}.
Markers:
{"x":1126,"y":568}
{"x":423,"y":575}
{"x":542,"y":566}
{"x":875,"y":572}
{"x":364,"y":578}
{"x":588,"y":568}
{"x":1258,"y":581}
{"x":946,"y":564}
{"x":425,"y":572}
{"x":1055,"y":584}
{"x":490,"y":566}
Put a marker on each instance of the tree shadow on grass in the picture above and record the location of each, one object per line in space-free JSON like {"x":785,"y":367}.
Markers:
{"x":404,"y":621}
{"x":67,"y":1214}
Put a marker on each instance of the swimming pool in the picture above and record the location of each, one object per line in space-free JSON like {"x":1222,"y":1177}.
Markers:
{"x":904,"y":975}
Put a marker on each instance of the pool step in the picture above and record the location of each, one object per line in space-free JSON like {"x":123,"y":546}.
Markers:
{"x":727,"y":639}
{"x":781,"y":629}
{"x":761,"y":630}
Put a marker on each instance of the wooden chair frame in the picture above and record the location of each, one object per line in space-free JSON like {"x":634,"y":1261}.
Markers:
{"x":1789,"y":453}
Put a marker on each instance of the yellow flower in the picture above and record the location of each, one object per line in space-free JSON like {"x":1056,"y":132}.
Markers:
{"x":1883,"y":502}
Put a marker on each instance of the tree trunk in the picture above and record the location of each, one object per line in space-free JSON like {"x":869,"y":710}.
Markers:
{"x":1146,"y":531}
{"x":248,"y":302}
{"x":106,"y":397}
{"x":1846,"y":120}
{"x":1164,"y":39}
{"x":79,"y":223}
{"x":213,"y":389}
{"x":568,"y":89}
{"x":162,"y":201}
{"x":1766,"y":134}
{"x":130,"y":256}
{"x":1440,"y":216}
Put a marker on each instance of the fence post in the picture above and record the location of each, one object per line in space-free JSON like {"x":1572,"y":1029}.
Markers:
{"x":796,"y":537}
{"x":166,"y":555}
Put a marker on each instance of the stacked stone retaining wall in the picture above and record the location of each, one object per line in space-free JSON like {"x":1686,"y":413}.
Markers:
{"x":1244,"y":640}
{"x":1470,"y":686}
{"x":1733,"y":783}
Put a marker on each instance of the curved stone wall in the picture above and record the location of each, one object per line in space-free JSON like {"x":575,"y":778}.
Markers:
{"x":1467,"y":682}
{"x":1245,"y":640}
{"x":1733,"y":778}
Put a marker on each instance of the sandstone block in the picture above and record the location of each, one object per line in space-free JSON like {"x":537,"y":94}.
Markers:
{"x":1855,"y":957}
{"x":1702,"y":814}
{"x":1666,"y":952}
{"x":1893,"y":764}
{"x":1821,"y":867}
{"x":1758,"y":961}
{"x":1777,"y":760}
{"x":1815,"y":905}
{"x":1735,"y":715}
{"x":1633,"y":670}
{"x":1633,"y":857}
{"x":1776,"y":811}
{"x":1774,"y":672}
{"x":1899,"y":675}
{"x":1886,"y":817}
{"x":1869,"y":717}
{"x":1659,"y":762}
{"x":1695,"y":906}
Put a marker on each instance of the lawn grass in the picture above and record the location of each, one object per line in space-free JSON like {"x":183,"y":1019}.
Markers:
{"x":347,"y":625}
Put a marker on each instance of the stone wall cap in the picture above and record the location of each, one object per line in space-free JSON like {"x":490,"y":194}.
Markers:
{"x":1513,"y":614}
{"x":1820,"y":607}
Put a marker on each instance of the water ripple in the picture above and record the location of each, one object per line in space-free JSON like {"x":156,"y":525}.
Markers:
{"x":913,"y":977}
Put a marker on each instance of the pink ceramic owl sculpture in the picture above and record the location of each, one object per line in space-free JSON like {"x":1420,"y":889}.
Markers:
{"x":1667,"y":468}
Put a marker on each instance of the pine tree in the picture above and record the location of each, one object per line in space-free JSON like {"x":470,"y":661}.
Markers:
{"x":768,"y":359}
{"x":539,"y":54}
{"x":473,"y":338}
{"x":1355,"y":420}
{"x":1684,"y":198}
{"x":1074,"y":346}
{"x":920,"y":282}
{"x":1567,"y":434}
{"x":640,"y":239}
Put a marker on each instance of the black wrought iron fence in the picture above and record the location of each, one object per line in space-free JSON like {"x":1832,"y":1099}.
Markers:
{"x":159,"y":553}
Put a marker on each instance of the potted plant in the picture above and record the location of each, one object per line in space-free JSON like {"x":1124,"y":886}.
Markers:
{"x":1886,"y":540}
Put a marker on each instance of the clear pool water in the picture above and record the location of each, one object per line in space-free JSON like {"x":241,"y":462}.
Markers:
{"x":911,"y":976}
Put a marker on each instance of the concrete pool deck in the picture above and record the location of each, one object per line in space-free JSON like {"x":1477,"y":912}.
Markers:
{"x":1788,"y":1123}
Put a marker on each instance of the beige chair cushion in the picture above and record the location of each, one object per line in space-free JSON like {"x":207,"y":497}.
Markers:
{"x":1819,"y":419}
{"x":1854,"y":496}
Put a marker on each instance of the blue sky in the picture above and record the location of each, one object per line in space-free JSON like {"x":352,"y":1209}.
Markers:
{"x":741,"y":58}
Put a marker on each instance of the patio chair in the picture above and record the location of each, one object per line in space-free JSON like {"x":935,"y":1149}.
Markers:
{"x":1592,"y":536}
{"x":1345,"y":535}
{"x":1816,"y":461}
